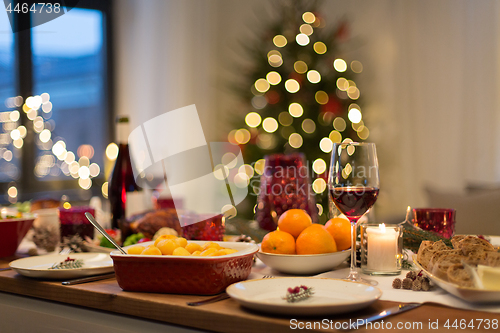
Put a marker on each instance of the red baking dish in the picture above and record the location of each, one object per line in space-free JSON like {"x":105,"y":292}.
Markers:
{"x":12,"y":232}
{"x":184,"y":275}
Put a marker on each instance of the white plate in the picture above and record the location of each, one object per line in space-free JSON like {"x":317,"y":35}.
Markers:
{"x":303,"y":263}
{"x":473,"y":295}
{"x":331,"y":296}
{"x":38,"y":267}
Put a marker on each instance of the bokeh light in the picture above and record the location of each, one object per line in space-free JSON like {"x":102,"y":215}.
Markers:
{"x":112,"y":151}
{"x":319,"y":48}
{"x":253,"y":119}
{"x":300,"y":66}
{"x":292,"y":86}
{"x":273,"y":78}
{"x":326,"y":145}
{"x":340,"y":65}
{"x":270,"y":125}
{"x":279,"y":40}
{"x":302,"y":39}
{"x":313,"y":76}
{"x":295,"y":140}
{"x":308,"y":17}
{"x":354,"y":115}
{"x":295,"y":110}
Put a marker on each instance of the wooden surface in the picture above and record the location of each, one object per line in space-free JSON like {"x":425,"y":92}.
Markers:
{"x":223,"y":316}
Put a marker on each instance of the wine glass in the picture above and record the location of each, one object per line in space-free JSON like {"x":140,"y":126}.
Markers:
{"x":354,"y":185}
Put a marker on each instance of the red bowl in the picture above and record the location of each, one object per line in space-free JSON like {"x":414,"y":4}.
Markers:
{"x":12,"y":232}
{"x":184,"y":275}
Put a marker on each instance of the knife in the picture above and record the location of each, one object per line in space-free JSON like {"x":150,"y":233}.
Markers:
{"x":89,"y":279}
{"x":388,"y":312}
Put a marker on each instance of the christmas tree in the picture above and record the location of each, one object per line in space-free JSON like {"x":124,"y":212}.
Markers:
{"x":301,"y":97}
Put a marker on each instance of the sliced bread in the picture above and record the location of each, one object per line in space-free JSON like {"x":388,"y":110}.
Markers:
{"x":440,"y":267}
{"x":458,"y":275}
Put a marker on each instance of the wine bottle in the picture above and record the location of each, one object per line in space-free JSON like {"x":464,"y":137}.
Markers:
{"x":121,"y":183}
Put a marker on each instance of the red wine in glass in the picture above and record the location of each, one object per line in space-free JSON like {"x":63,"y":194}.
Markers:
{"x":354,"y":202}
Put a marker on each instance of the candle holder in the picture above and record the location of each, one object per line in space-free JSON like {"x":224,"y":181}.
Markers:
{"x":381,"y":248}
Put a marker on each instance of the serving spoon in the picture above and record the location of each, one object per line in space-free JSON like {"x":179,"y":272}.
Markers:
{"x":103,"y":232}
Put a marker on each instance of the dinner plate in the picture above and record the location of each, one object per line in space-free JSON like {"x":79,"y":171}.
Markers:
{"x":473,"y":295}
{"x":331,"y":296}
{"x":38,"y":266}
{"x":303,"y":264}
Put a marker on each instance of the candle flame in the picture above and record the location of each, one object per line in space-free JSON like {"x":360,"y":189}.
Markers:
{"x":382,"y":227}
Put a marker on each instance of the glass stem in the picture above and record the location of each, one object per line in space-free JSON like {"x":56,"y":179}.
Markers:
{"x":353,"y":247}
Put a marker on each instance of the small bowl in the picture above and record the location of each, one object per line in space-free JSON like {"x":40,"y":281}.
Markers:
{"x":12,"y":232}
{"x":303,"y":264}
{"x":184,"y":275}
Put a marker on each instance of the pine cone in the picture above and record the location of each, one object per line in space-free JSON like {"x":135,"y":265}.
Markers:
{"x":46,"y":238}
{"x":75,"y":243}
{"x":396,"y":284}
{"x":245,"y":239}
{"x":407,"y":283}
{"x":426,"y":286}
{"x":411,"y":275}
{"x":416,"y":285}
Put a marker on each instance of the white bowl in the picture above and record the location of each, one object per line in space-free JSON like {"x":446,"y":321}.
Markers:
{"x":303,"y":263}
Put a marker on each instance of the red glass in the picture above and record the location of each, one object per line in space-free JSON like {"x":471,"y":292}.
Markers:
{"x":284,"y":185}
{"x":438,"y":220}
{"x":211,"y":228}
{"x":74,"y":222}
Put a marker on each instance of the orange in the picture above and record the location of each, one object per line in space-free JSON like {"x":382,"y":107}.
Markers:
{"x":278,"y":241}
{"x":315,"y":240}
{"x":294,"y":221}
{"x":340,"y":229}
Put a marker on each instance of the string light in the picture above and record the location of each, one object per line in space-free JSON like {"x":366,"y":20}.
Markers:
{"x":302,"y":39}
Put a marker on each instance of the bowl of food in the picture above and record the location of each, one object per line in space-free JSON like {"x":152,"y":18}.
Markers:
{"x":187,"y":271}
{"x":13,"y":228}
{"x":303,"y":264}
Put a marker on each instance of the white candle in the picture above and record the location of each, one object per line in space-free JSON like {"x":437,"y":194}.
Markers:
{"x":382,"y":248}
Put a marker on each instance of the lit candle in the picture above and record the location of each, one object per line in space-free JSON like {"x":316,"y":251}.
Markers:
{"x":382,"y":249}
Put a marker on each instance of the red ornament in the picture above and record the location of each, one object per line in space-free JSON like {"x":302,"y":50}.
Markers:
{"x":333,"y":106}
{"x":272,"y":97}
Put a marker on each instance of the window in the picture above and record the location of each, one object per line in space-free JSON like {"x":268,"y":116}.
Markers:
{"x":58,"y":98}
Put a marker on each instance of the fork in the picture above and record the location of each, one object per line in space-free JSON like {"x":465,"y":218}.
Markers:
{"x":219,"y":297}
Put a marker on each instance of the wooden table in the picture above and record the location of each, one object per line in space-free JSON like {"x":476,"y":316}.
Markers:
{"x":224,"y":316}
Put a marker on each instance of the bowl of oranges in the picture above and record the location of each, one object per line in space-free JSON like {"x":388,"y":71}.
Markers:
{"x":172,"y":264}
{"x":299,"y":246}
